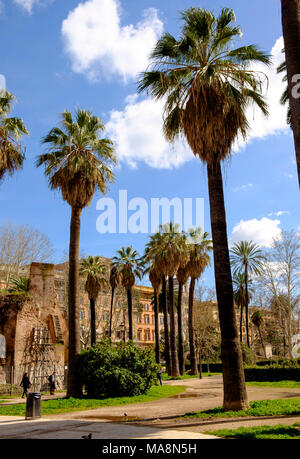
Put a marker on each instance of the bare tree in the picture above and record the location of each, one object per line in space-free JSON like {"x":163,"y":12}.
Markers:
{"x":20,"y":246}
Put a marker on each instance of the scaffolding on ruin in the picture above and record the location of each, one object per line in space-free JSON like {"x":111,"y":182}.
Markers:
{"x":38,"y":360}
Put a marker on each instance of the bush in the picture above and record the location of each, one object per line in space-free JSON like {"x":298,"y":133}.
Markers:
{"x":108,"y":370}
{"x":248,"y":355}
{"x":281,"y":362}
{"x":272,"y":373}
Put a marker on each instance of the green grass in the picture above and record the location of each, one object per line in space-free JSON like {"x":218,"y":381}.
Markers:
{"x":278,"y":432}
{"x":277,"y":407}
{"x":65,"y":405}
{"x":284,"y":384}
{"x":165,"y":376}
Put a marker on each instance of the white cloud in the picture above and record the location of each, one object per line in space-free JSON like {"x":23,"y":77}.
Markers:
{"x":275,"y":123}
{"x":137,"y":132}
{"x":243,"y":187}
{"x":279,"y":213}
{"x":28,"y":5}
{"x":98,"y":44}
{"x":261,"y":232}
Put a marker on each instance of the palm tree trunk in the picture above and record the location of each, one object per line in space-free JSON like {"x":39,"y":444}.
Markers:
{"x":73,"y":389}
{"x":156,"y":318}
{"x":111,"y":310}
{"x":174,"y":359}
{"x":93,"y":322}
{"x":247,"y":306}
{"x":130,"y":321}
{"x":241,"y":323}
{"x":166,"y":325}
{"x":193,"y":357}
{"x":180,"y":332}
{"x":291,"y":32}
{"x":235,"y":394}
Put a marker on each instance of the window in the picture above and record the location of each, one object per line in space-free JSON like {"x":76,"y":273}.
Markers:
{"x":146,"y":307}
{"x":153,"y":319}
{"x":147,"y":320}
{"x":139,"y":319}
{"x":147,"y":335}
{"x":139,"y":335}
{"x":81,"y":315}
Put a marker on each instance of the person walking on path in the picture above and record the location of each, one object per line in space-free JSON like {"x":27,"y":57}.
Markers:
{"x":25,"y":383}
{"x":159,"y":376}
{"x":51,"y":380}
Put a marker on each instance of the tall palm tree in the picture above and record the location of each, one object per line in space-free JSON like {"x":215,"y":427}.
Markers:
{"x":239,"y":297}
{"x":77,"y":163}
{"x":291,"y":33}
{"x":182,"y":278}
{"x":207,"y":86}
{"x":129,"y":265}
{"x":156,"y":281}
{"x":115,"y":279}
{"x":11,"y":131}
{"x":199,"y":259}
{"x":246,"y":258}
{"x":258,"y":320}
{"x":95,"y":273}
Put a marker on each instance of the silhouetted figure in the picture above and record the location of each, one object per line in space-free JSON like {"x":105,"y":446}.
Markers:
{"x":51,"y":380}
{"x":25,"y":383}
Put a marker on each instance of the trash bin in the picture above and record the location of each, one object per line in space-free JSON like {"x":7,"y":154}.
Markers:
{"x":33,"y":405}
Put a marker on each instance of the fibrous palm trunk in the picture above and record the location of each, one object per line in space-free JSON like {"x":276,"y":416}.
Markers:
{"x":193,"y":357}
{"x":174,"y":358}
{"x":111,"y":310}
{"x":156,"y":318}
{"x":235,"y":395}
{"x":241,"y":323}
{"x":130,"y":319}
{"x":180,"y":332}
{"x":166,"y":325}
{"x":73,"y":389}
{"x":291,"y":33}
{"x":93,"y":322}
{"x":247,"y":306}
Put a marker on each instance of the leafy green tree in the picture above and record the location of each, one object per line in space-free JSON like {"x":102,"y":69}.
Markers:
{"x":11,"y":131}
{"x":247,"y":258}
{"x":207,"y":86}
{"x":95,"y":273}
{"x":129,"y":266}
{"x":77,"y":162}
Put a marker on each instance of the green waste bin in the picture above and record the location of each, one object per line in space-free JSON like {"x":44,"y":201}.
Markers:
{"x":33,"y":405}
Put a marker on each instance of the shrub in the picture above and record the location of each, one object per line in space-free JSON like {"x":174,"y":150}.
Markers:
{"x":121,"y":370}
{"x":272,"y":373}
{"x":281,"y":362}
{"x":248,"y":355}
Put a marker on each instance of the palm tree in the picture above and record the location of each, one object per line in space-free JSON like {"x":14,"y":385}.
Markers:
{"x":96,"y":279}
{"x":11,"y":131}
{"x":77,"y":163}
{"x":182,"y":278}
{"x":115,"y":279}
{"x":240,"y":297}
{"x":291,"y":34}
{"x":156,"y":281}
{"x":285,"y":95}
{"x":207,"y":86}
{"x":246,"y":258}
{"x":18,"y":285}
{"x":199,"y":259}
{"x":258,"y":320}
{"x":129,"y":265}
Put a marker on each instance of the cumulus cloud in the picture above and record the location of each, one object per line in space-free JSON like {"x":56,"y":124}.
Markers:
{"x":273,"y":87}
{"x":98,"y":44}
{"x":261,"y":232}
{"x":137,"y":132}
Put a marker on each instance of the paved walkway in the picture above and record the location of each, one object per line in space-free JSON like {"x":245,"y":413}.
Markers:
{"x":156,"y":419}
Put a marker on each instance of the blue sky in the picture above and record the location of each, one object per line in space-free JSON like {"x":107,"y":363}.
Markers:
{"x":68,"y":54}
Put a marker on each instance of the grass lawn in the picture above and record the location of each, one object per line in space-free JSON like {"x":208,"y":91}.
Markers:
{"x":65,"y":405}
{"x":278,"y":432}
{"x":258,"y":408}
{"x":286,"y":384}
{"x":165,"y":376}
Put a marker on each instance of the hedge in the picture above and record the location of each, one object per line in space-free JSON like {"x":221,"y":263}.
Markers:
{"x":272,"y":373}
{"x":281,"y":362}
